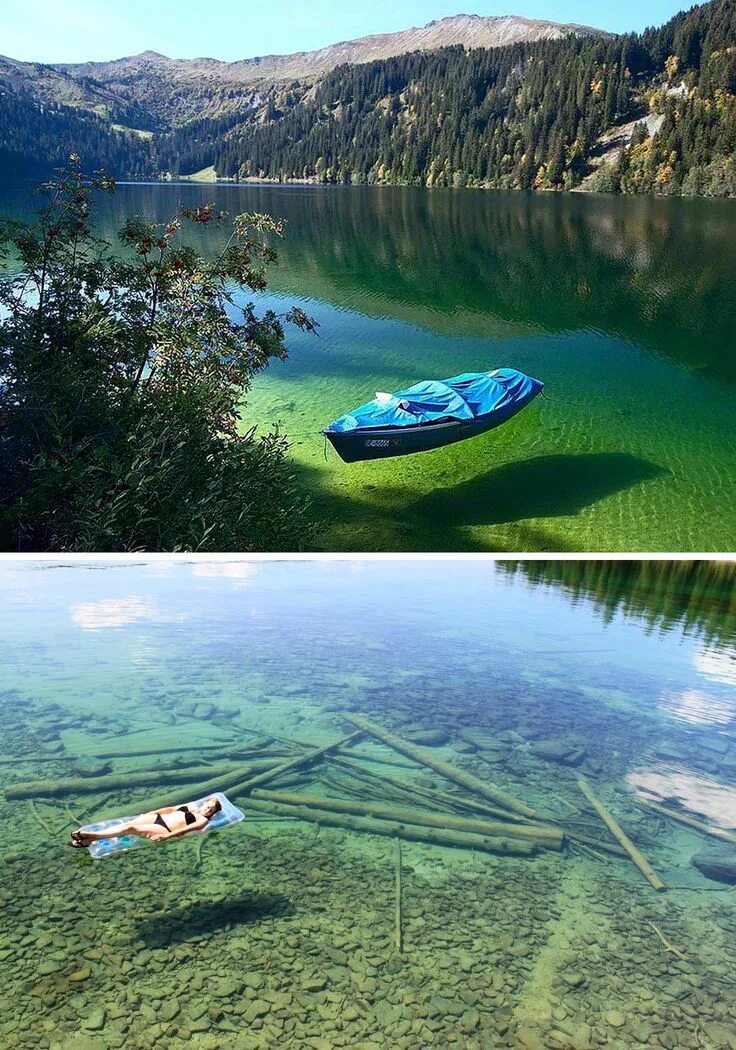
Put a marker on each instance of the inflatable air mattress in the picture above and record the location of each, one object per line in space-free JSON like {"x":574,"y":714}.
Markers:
{"x":229,"y":814}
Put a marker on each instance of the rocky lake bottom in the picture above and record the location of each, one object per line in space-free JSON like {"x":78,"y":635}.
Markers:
{"x":275,"y":933}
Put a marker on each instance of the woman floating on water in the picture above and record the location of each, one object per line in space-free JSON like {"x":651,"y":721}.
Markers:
{"x":171,"y":822}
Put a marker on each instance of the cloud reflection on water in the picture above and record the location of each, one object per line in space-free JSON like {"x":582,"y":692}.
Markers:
{"x":718,"y":664}
{"x":701,"y":795}
{"x":699,"y":707}
{"x":112,"y":612}
{"x":239,"y":571}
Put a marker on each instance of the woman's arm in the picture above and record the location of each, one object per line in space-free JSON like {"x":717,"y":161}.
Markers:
{"x":199,"y":823}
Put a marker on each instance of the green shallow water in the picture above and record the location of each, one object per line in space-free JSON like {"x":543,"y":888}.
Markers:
{"x":281,"y":934}
{"x":625,"y":308}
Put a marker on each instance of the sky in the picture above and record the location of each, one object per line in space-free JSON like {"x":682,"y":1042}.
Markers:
{"x":83,"y":30}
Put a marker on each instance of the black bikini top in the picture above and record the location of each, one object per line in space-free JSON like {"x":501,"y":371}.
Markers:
{"x":189,"y":817}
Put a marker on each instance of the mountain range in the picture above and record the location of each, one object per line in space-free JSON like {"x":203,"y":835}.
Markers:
{"x":153,"y":92}
{"x":501,"y":102}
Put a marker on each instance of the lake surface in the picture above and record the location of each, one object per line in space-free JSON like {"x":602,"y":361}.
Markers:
{"x":625,"y":308}
{"x":281,"y":933}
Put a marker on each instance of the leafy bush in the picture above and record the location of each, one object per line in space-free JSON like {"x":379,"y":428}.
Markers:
{"x":122,"y":379}
{"x":606,"y":178}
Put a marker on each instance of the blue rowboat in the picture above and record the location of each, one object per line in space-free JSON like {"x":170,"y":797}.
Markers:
{"x":431,"y":414}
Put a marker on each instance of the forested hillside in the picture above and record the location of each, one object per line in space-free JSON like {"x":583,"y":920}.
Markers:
{"x":650,"y":112}
{"x":35,"y":139}
{"x":526,"y":116}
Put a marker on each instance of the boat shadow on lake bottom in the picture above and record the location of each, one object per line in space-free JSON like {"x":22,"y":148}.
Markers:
{"x":542,"y":487}
{"x":522,"y":494}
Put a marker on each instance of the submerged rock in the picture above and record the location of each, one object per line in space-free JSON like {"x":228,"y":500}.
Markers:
{"x":91,"y":767}
{"x":482,"y":740}
{"x":720,"y":1033}
{"x":94,"y":1021}
{"x":530,"y":1038}
{"x":716,"y":865}
{"x":314,"y":984}
{"x":561,"y":751}
{"x":464,"y":747}
{"x":258,"y":1008}
{"x":169,"y":1009}
{"x":427,"y":737}
{"x":582,"y":1037}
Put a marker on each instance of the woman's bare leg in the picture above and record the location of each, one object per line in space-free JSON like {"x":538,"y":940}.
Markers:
{"x":149,"y":830}
{"x":145,"y":829}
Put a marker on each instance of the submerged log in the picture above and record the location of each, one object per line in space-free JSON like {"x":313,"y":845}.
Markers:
{"x":373,"y":786}
{"x":561,"y":751}
{"x":689,"y":821}
{"x":392,"y":829}
{"x":234,"y":754}
{"x":398,"y":935}
{"x":40,"y":759}
{"x":226,"y":748}
{"x":241,"y":779}
{"x":446,"y":769}
{"x":382,"y":760}
{"x":307,"y":759}
{"x":121,"y":781}
{"x":434,"y":796}
{"x":589,"y":842}
{"x":545,"y":838}
{"x":80,"y":767}
{"x":473,"y":805}
{"x":622,"y":838}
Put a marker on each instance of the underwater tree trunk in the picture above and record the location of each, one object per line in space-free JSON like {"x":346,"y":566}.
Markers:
{"x":246,"y":786}
{"x":445,"y":769}
{"x":392,"y":829}
{"x":235,"y":782}
{"x":227,"y":750}
{"x":546,"y":838}
{"x":607,"y":846}
{"x":123,"y":781}
{"x":408,"y":791}
{"x":620,"y":835}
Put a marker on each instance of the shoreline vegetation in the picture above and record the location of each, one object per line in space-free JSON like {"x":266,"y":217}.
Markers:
{"x":264,"y":180}
{"x":125,"y":377}
{"x":653,"y":112}
{"x":694,"y":596}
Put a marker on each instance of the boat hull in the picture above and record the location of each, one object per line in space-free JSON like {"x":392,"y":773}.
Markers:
{"x":384,"y":442}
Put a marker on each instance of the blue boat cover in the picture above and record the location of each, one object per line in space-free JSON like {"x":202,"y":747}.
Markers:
{"x":467,"y":396}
